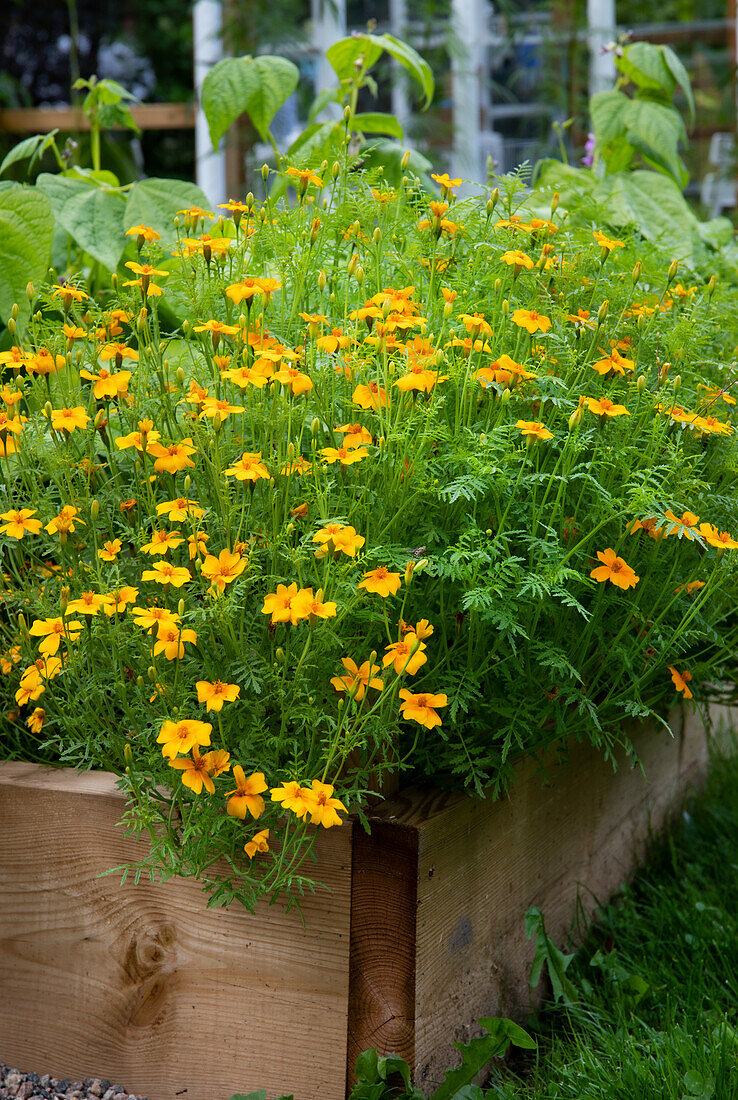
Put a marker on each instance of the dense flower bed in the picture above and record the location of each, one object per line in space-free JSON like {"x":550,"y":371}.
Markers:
{"x":362,"y":482}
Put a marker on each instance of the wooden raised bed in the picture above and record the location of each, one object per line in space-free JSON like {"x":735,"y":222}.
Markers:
{"x":421,"y":932}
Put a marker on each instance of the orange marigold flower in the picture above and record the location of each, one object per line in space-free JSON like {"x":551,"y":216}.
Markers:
{"x":325,"y":806}
{"x":139,"y":439}
{"x":173,"y":457}
{"x":531,"y":320}
{"x":613,"y":362}
{"x":170,"y":640}
{"x":165,"y":573}
{"x":224,"y":569}
{"x":215,"y":694}
{"x":162,"y":542}
{"x":304,"y":176}
{"x":35,"y":719}
{"x":306,"y":606}
{"x":151,"y":618}
{"x":117,"y":601}
{"x":421,"y":708}
{"x":605,"y":408}
{"x":531,"y":429}
{"x":370,"y":396}
{"x":719,"y":539}
{"x":258,"y":843}
{"x":110,"y":550}
{"x":355,"y":435}
{"x":445,"y":183}
{"x":66,"y":420}
{"x":145,"y":232}
{"x":279,"y":604}
{"x":335,"y":539}
{"x":246,"y":798}
{"x":680,"y":680}
{"x":680,"y":525}
{"x":614,"y":569}
{"x":178,"y":510}
{"x":357,"y":679}
{"x":107,"y":384}
{"x":335,"y":341}
{"x":294,"y":379}
{"x":216,"y":406}
{"x":344,"y":455}
{"x":606,"y":242}
{"x":381,"y":581}
{"x":52,"y":631}
{"x":89,"y":603}
{"x":300,"y":800}
{"x":197,"y":772}
{"x":248,"y":467}
{"x":63,"y":524}
{"x":179,"y":737}
{"x":517,"y":259}
{"x":407,"y":655}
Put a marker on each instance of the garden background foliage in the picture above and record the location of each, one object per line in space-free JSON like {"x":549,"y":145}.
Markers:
{"x":356,"y":480}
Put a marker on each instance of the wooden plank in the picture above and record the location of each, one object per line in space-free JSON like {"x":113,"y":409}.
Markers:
{"x":145,"y":985}
{"x":148,"y":116}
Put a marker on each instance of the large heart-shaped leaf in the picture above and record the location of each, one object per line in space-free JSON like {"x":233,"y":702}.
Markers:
{"x":377,"y":122}
{"x":155,"y":202}
{"x":644,"y":64}
{"x":91,"y":215}
{"x":26,"y":230}
{"x":257,"y":86}
{"x":681,"y":76}
{"x":344,"y":54}
{"x":656,"y":130}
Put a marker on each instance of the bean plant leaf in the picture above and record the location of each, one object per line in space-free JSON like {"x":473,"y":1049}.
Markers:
{"x":655,"y":206}
{"x":257,"y":86}
{"x":376,"y":122}
{"x":344,"y":54}
{"x":155,"y":202}
{"x":91,"y":215}
{"x":655,"y":130}
{"x":26,"y":230}
{"x":644,"y":64}
{"x":28,"y":148}
{"x":681,"y":76}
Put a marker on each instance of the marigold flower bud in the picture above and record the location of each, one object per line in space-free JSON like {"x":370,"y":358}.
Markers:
{"x":490,"y":208}
{"x":64,"y":598}
{"x":506,"y":395}
{"x":140,"y":683}
{"x":360,"y":275}
{"x":48,"y":409}
{"x":409,"y":570}
{"x":421,"y":565}
{"x":279,"y":654}
{"x":181,"y":607}
{"x":498,"y":284}
{"x":672,"y":272}
{"x":641,"y":321}
{"x":555,"y":202}
{"x":505,"y":307}
{"x":575,"y":419}
{"x":151,"y":672}
{"x":335,"y":169}
{"x":95,"y":509}
{"x":100,"y":418}
{"x":637,"y":272}
{"x":377,"y":235}
{"x":405,"y":160}
{"x":180,"y":376}
{"x":711,"y":286}
{"x":22,"y":623}
{"x":291,"y":452}
{"x":494,"y":196}
{"x":265,"y":172}
{"x":114,"y":282}
{"x":38,"y":317}
{"x":128,"y":754}
{"x":641,"y":383}
{"x":603,"y":311}
{"x":322,"y":280}
{"x":677,"y":382}
{"x":372,"y":657}
{"x":315,"y":426}
{"x":447,"y":309}
{"x":352,"y":264}
{"x":11,"y":326}
{"x":30,"y":292}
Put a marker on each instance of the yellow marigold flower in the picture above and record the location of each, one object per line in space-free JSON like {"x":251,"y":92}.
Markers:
{"x":681,"y":524}
{"x":381,"y":581}
{"x":720,"y":539}
{"x":7,"y":660}
{"x":63,"y":524}
{"x":606,"y":242}
{"x":421,"y":708}
{"x":178,"y":510}
{"x":335,"y":539}
{"x":357,"y":679}
{"x":145,"y":232}
{"x":712,"y":393}
{"x":710,"y":425}
{"x":344,"y":455}
{"x":248,"y":467}
{"x":246,"y":798}
{"x":224,"y":569}
{"x":336,"y":341}
{"x":605,"y":408}
{"x":166,"y":573}
{"x":195,"y":395}
{"x":151,"y":618}
{"x":517,"y":259}
{"x":110,"y":550}
{"x":325,"y":806}
{"x":407,"y":655}
{"x":258,"y":843}
{"x":216,"y":406}
{"x":18,"y":521}
{"x":170,"y":640}
{"x":279,"y":604}
{"x":613,"y":362}
{"x":531,"y":320}
{"x":355,"y":435}
{"x":116,"y":602}
{"x":533,"y":430}
{"x":691,"y":586}
{"x":69,"y":294}
{"x":419,"y":378}
{"x":66,"y":420}
{"x":246,"y":290}
{"x":140,"y":439}
{"x":52,"y":631}
{"x":214,"y":695}
{"x":370,"y":396}
{"x":300,"y":800}
{"x":173,"y":457}
{"x":680,"y":680}
{"x":162,"y":541}
{"x":422,"y":628}
{"x":89,"y":603}
{"x":296,"y":381}
{"x":299,"y":466}
{"x":305,"y":605}
{"x":43,"y":362}
{"x":35,"y":719}
{"x":179,"y":737}
{"x":614,"y":569}
{"x":197,"y":544}
{"x":444,"y":181}
{"x":106,"y":384}
{"x":197,"y":772}
{"x":581,"y":319}
{"x":305,"y":177}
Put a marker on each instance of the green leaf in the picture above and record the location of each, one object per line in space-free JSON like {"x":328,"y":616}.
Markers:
{"x":322,"y":99}
{"x":366,"y":1067}
{"x":410,"y":59}
{"x":343,"y":54}
{"x":260,"y":1094}
{"x":155,"y":202}
{"x":681,"y":76}
{"x":653,"y":204}
{"x":548,"y":955}
{"x":475,"y":1056}
{"x":376,"y":122}
{"x":391,"y":1064}
{"x":95,"y":221}
{"x":644,"y":64}
{"x":26,"y":229}
{"x":500,"y":1027}
{"x":607,"y":110}
{"x":655,"y":130}
{"x":389,"y":155}
{"x":22,"y":151}
{"x":255,"y":85}
{"x":315,"y":139}
{"x":102,"y":177}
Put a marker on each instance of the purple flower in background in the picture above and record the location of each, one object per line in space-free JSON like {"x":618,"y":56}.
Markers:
{"x":589,"y":148}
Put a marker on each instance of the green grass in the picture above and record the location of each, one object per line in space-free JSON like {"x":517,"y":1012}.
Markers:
{"x":656,"y":983}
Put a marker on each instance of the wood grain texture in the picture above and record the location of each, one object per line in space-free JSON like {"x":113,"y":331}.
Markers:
{"x":571,"y":833}
{"x":143,"y":984}
{"x":148,"y":116}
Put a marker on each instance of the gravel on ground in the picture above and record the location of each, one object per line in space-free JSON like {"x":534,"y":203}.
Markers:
{"x":33,"y":1086}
